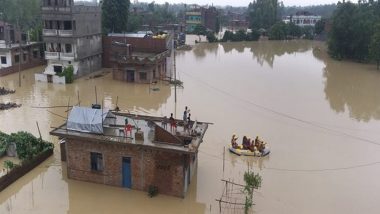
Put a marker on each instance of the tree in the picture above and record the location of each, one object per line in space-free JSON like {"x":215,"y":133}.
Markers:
{"x":252,"y":182}
{"x":211,"y":37}
{"x":374,"y":47}
{"x":200,"y":30}
{"x":262,"y":13}
{"x":279,"y":31}
{"x":320,"y":26}
{"x":352,"y":29}
{"x":115,"y":16}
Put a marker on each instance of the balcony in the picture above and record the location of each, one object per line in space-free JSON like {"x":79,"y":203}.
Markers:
{"x":56,"y":8}
{"x":50,"y":32}
{"x":51,"y":55}
{"x":64,"y":33}
{"x":67,"y":56}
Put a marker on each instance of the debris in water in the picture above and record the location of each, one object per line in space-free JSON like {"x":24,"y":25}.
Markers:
{"x":6,"y":106}
{"x":4,"y":91}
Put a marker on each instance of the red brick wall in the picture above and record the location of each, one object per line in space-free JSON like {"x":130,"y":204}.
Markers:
{"x":149,"y":45}
{"x":149,"y":167}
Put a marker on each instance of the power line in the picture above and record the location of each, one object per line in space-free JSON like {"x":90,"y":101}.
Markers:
{"x":284,"y":114}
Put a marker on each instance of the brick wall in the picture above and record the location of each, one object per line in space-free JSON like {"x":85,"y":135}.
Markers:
{"x":148,"y":167}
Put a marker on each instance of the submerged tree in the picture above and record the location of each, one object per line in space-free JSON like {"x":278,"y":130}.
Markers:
{"x":262,"y":13}
{"x":252,"y":182}
{"x":115,"y":15}
{"x":374,"y":47}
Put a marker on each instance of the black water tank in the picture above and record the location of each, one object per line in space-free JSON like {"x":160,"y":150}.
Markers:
{"x":96,"y":106}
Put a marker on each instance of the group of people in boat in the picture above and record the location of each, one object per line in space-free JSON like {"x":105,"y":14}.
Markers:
{"x":253,"y":145}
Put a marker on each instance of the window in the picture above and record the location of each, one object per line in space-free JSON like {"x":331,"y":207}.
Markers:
{"x":143,"y":76}
{"x":68,"y":48}
{"x":3,"y":60}
{"x":96,"y":161}
{"x":35,"y":54}
{"x":17,"y":58}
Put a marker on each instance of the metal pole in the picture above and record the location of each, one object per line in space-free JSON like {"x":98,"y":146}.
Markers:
{"x":19,"y":60}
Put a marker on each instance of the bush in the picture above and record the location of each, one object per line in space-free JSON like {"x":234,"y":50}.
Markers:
{"x":152,"y":191}
{"x":68,"y":73}
{"x":28,"y":146}
{"x":211,"y":37}
{"x":9,"y":165}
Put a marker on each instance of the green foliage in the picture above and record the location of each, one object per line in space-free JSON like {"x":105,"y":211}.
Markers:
{"x":240,"y":35}
{"x":352,"y":30}
{"x":262,"y":13}
{"x":28,"y":146}
{"x":152,"y":191}
{"x":200,"y":30}
{"x":27,"y":13}
{"x":3,"y":143}
{"x":68,"y":73}
{"x":134,"y":22}
{"x":115,"y":16}
{"x":320,"y":26}
{"x":9,"y":165}
{"x":252,"y":182}
{"x":211,"y":37}
{"x":325,"y":11}
{"x":279,"y":31}
{"x":374,"y":47}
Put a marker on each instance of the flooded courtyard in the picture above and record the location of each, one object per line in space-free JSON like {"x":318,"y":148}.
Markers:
{"x":320,"y":117}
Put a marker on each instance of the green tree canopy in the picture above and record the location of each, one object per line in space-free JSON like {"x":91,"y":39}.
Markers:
{"x":374,"y":48}
{"x":352,"y":29}
{"x":262,"y":13}
{"x":115,"y":15}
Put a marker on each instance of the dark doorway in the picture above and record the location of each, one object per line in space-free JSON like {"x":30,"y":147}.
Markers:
{"x":130,"y":76}
{"x":57,"y":69}
{"x":50,"y":78}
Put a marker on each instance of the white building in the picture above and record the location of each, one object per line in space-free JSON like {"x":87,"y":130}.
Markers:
{"x":302,"y":19}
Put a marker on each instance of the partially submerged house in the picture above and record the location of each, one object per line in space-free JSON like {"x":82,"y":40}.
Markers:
{"x":72,"y":36}
{"x":138,"y":58}
{"x":98,"y":150}
{"x":16,"y":53}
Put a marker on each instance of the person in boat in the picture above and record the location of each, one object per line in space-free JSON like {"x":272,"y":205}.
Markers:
{"x":245,"y":143}
{"x":234,"y":144}
{"x":259,"y":144}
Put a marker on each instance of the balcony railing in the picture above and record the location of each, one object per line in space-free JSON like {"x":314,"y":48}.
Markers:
{"x":51,"y":55}
{"x":67,"y":56}
{"x":50,"y":32}
{"x":65,"y":32}
{"x":56,"y":8}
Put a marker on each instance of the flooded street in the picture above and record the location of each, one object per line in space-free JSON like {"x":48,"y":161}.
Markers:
{"x":320,"y":117}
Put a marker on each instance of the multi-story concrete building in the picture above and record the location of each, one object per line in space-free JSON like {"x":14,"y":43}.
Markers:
{"x":72,"y":36}
{"x":16,"y":53}
{"x":201,"y":16}
{"x":302,"y":19}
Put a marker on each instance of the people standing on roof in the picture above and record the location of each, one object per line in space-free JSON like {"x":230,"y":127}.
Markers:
{"x":127,"y":128}
{"x":165,"y":122}
{"x":173,"y":124}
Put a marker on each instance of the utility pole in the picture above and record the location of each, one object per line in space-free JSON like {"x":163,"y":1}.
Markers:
{"x":20,"y":57}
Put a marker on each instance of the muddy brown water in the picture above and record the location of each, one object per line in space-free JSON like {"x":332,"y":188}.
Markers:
{"x":321,"y":118}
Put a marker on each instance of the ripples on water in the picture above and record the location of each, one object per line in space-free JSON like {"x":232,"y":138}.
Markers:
{"x":320,"y":117}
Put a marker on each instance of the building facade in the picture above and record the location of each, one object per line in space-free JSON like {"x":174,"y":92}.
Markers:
{"x":303,"y":19}
{"x":137,"y":58}
{"x":15,"y":52}
{"x":72,"y":36}
{"x":206,"y":17}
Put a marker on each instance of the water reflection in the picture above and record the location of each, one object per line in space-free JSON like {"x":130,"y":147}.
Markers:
{"x":351,"y":87}
{"x":262,"y":52}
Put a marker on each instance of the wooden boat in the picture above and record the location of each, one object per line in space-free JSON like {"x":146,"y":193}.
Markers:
{"x":246,"y":152}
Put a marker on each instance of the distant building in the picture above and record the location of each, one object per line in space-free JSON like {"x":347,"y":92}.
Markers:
{"x":97,"y":149}
{"x":72,"y":36}
{"x":138,"y":58}
{"x":201,"y":16}
{"x":16,"y":52}
{"x":302,"y":19}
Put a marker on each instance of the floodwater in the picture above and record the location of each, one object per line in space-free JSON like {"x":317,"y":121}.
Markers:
{"x":321,"y":118}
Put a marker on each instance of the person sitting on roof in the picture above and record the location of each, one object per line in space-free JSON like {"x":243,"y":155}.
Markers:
{"x":234,"y":144}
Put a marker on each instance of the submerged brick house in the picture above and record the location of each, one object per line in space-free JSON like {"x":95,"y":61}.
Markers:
{"x":138,"y":58}
{"x":149,"y":156}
